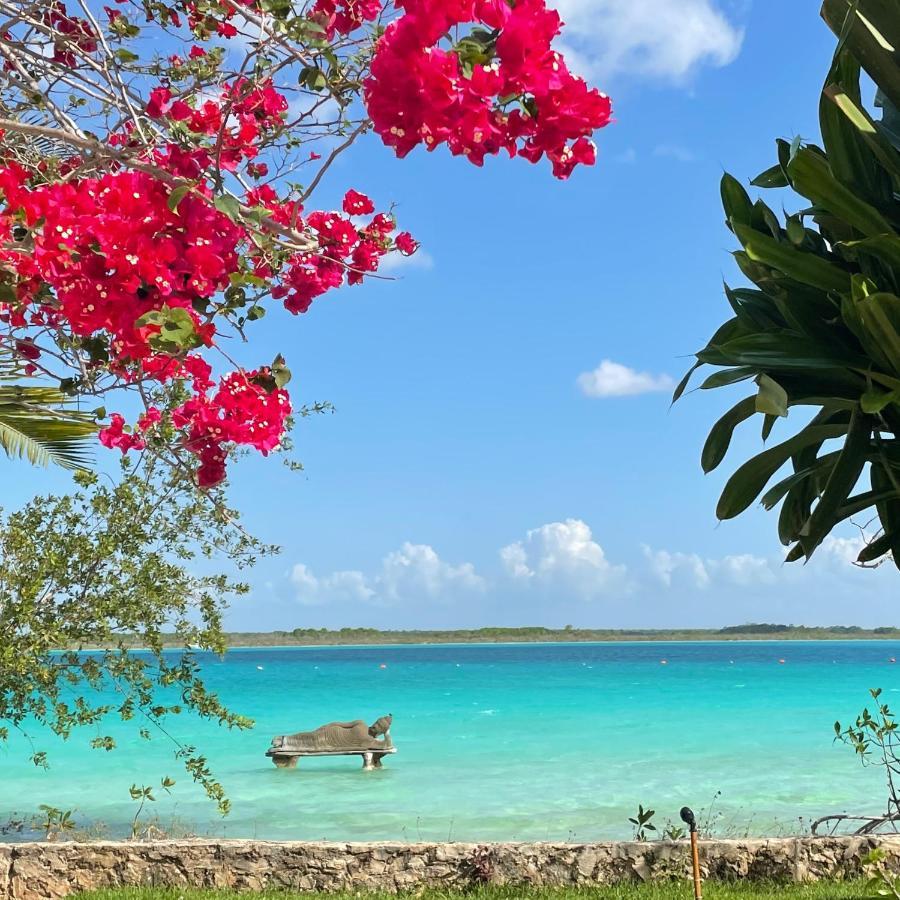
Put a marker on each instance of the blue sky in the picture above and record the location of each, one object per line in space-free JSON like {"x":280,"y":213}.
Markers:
{"x":476,"y":470}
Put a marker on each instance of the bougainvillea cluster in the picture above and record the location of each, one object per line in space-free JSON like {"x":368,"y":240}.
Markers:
{"x":167,"y":212}
{"x":502,"y":89}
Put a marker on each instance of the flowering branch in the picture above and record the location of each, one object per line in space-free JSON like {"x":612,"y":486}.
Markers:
{"x":149,"y":201}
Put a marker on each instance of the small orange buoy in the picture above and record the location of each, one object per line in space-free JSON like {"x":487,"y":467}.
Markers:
{"x":781,"y":661}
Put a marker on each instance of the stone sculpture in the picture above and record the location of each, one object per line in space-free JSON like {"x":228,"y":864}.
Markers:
{"x":354,"y":738}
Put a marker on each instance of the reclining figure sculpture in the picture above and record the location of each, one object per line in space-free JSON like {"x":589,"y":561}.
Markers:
{"x":371,"y":742}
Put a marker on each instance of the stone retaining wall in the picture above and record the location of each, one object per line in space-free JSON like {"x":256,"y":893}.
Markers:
{"x":37,"y":871}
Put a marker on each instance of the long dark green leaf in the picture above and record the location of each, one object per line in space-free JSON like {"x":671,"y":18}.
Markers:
{"x":719,"y":438}
{"x":812,"y":177}
{"x":872,"y":28}
{"x":843,"y":479}
{"x":746,"y":484}
{"x":780,"y":351}
{"x":877,"y":548}
{"x":821,"y":467}
{"x":805,"y":267}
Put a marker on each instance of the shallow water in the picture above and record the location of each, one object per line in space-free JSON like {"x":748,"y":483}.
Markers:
{"x":530,"y":742}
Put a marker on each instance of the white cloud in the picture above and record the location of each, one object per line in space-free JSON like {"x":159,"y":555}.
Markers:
{"x":659,"y":39}
{"x":612,"y":379}
{"x":673,"y":568}
{"x":627,"y":157}
{"x":559,"y":573}
{"x":674,"y":151}
{"x":345,"y":585}
{"x":414,"y":572}
{"x":744,"y":570}
{"x":396,"y":261}
{"x":564,"y":555}
{"x":667,"y":566}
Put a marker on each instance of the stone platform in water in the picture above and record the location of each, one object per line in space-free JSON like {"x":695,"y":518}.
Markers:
{"x":354,"y":738}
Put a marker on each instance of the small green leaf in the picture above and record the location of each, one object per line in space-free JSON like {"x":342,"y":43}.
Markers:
{"x":773,"y":177}
{"x":177,"y":195}
{"x":229,"y":206}
{"x":874,"y":401}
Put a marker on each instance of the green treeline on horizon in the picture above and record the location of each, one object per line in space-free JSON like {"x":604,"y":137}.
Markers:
{"x":748,"y":631}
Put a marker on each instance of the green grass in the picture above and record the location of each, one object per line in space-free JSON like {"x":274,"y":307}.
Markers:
{"x":742,"y":890}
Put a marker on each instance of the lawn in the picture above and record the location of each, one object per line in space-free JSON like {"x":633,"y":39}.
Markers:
{"x":745,"y":890}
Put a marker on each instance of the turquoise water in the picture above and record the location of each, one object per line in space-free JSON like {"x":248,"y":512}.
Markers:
{"x":541,"y":742}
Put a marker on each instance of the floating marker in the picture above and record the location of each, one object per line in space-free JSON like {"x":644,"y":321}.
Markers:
{"x":383,"y":666}
{"x":663,"y":662}
{"x":892,"y":659}
{"x":781,"y":661}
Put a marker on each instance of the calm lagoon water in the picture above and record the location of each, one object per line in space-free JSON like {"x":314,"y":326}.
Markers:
{"x":531,"y":742}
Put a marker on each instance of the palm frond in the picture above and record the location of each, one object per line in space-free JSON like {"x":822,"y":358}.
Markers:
{"x":35,"y":424}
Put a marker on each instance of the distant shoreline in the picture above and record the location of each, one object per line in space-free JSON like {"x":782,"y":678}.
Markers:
{"x":364,"y":637}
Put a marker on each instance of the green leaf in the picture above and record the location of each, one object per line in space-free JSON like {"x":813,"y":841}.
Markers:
{"x":885,"y":479}
{"x":880,"y":148}
{"x":885,"y":247}
{"x":728,"y":376}
{"x":805,"y":267}
{"x":795,"y":231}
{"x":719,"y":438}
{"x":229,"y":206}
{"x":871,"y":36}
{"x":177,"y":195}
{"x":877,"y":548}
{"x":177,"y":331}
{"x":783,"y":350}
{"x":37,"y":424}
{"x":746,"y":484}
{"x":875,"y":401}
{"x":843,"y":479}
{"x":280,"y":372}
{"x":822,"y":466}
{"x":773,"y":177}
{"x":879,"y":314}
{"x":735,"y":200}
{"x":682,"y":385}
{"x":812,"y":177}
{"x":772,"y":398}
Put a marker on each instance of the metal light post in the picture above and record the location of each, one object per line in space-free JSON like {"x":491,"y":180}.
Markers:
{"x":687,"y":816}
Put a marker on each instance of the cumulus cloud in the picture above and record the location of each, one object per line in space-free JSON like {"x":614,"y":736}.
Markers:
{"x":564,"y":555}
{"x":612,"y":379}
{"x":738,"y":570}
{"x":396,"y":261}
{"x":313,"y":591}
{"x":666,"y":567}
{"x":657,"y":39}
{"x":414,"y":572}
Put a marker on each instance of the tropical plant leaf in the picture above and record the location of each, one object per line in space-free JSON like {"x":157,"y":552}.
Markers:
{"x":746,"y":484}
{"x":805,"y":267}
{"x":37,"y":424}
